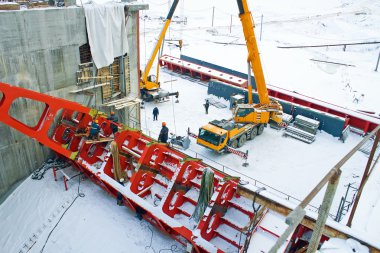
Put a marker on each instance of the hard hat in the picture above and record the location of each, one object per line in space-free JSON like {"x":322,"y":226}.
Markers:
{"x":112,"y":112}
{"x":163,"y":123}
{"x":121,"y":180}
{"x":96,"y":121}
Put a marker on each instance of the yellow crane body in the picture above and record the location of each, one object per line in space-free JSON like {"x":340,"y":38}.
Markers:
{"x":249,"y":119}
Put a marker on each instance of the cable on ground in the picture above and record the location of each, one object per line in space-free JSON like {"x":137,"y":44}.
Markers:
{"x":80,"y":194}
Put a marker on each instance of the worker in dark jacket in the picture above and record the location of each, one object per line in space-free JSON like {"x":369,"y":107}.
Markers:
{"x":119,"y":196}
{"x":94,"y":130}
{"x":164,"y":133}
{"x":155,"y":113}
{"x":207,"y":105}
{"x":114,"y":119}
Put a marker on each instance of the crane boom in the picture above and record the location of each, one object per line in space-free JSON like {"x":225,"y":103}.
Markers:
{"x":144,"y":79}
{"x":253,"y":53}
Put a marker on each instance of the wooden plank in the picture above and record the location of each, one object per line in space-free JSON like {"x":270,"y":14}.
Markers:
{"x":95,"y":77}
{"x":122,"y":100}
{"x":115,"y":102}
{"x":130,"y":103}
{"x":79,"y":135}
{"x":99,"y":141}
{"x":89,"y":87}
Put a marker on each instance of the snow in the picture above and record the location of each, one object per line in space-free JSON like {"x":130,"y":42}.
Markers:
{"x":231,"y":233}
{"x":90,"y":225}
{"x":343,"y":246}
{"x":162,"y":179}
{"x":244,"y":203}
{"x":274,"y":222}
{"x":263,"y":242}
{"x":188,"y":207}
{"x":224,"y":245}
{"x":186,"y":221}
{"x":287,"y":168}
{"x":193,"y":194}
{"x":275,"y":161}
{"x":236,"y":217}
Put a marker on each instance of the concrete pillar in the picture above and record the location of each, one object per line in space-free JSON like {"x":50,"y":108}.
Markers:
{"x":132,"y":115}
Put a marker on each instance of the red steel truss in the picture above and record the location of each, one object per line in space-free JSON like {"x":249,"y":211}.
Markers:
{"x":161,"y":184}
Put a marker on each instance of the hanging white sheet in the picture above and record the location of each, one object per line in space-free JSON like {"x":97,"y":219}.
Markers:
{"x":107,"y":32}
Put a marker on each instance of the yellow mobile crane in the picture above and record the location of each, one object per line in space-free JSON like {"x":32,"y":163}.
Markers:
{"x":149,"y":84}
{"x":249,"y":119}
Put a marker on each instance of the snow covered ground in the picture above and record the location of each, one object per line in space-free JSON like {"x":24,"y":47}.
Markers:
{"x":93,"y":223}
{"x":285,"y":164}
{"x":288,"y":165}
{"x":96,"y":224}
{"x":287,"y":23}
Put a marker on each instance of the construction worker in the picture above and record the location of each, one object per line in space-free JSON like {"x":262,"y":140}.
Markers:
{"x":164,"y":133}
{"x":94,"y":130}
{"x":207,"y":105}
{"x":114,"y":119}
{"x":119,"y":196}
{"x":155,"y":113}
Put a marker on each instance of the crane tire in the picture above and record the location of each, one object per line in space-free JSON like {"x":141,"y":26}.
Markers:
{"x":252,"y":134}
{"x":260,"y":129}
{"x":242,"y":140}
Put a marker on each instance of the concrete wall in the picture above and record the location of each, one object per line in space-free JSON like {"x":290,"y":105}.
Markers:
{"x":39,"y":50}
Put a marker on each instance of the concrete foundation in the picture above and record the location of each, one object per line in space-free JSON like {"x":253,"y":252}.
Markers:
{"x":39,"y":50}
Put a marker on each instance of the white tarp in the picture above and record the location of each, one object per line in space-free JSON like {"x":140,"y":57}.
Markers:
{"x":107,"y":32}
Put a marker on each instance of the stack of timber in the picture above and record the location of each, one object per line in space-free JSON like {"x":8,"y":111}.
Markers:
{"x":123,"y":102}
{"x":303,"y":129}
{"x":38,"y":4}
{"x":6,"y":6}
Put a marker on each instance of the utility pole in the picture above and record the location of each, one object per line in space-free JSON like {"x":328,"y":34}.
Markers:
{"x":377,"y":64}
{"x":213,"y":11}
{"x":261,"y":26}
{"x":231,"y":24}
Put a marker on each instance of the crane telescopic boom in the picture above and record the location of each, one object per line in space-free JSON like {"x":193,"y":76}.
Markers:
{"x":145,"y":82}
{"x":253,"y":53}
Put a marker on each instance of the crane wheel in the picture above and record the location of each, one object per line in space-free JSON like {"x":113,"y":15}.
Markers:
{"x":242,"y":140}
{"x":252,"y":134}
{"x":234,"y":143}
{"x":260,"y":129}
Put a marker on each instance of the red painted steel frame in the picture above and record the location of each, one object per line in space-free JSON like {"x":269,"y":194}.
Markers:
{"x":154,"y":173}
{"x":52,"y":107}
{"x":156,"y":166}
{"x":355,"y":119}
